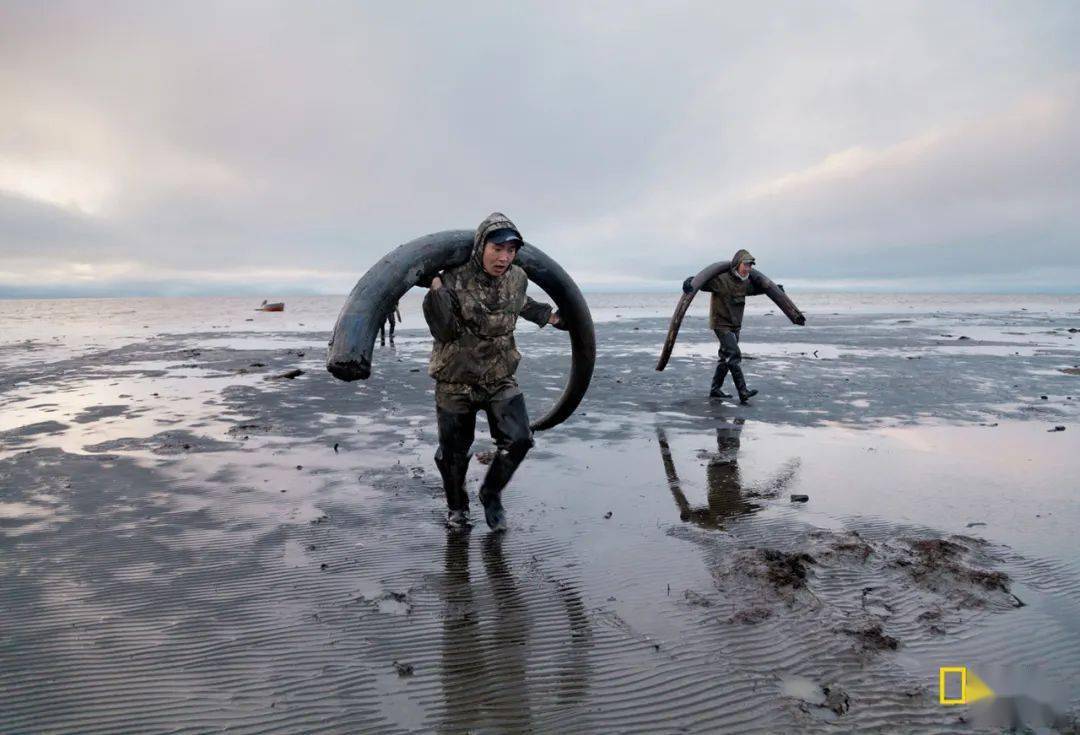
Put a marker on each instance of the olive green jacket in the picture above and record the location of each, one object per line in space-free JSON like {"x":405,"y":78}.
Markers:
{"x":729,"y":294}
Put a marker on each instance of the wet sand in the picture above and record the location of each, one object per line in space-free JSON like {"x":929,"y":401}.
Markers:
{"x":191,"y":543}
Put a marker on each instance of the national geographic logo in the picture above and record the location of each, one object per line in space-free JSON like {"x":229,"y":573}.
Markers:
{"x":957,"y":685}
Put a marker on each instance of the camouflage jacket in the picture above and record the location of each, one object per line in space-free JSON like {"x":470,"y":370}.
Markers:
{"x":729,"y":294}
{"x":473,"y":315}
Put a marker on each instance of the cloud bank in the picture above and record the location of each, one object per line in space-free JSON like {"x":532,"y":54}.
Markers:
{"x":245,"y":147}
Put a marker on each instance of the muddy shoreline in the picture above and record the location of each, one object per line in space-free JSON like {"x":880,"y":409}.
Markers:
{"x":191,"y":543}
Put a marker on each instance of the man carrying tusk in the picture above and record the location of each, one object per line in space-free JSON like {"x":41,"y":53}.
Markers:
{"x":729,"y":291}
{"x":472,"y":311}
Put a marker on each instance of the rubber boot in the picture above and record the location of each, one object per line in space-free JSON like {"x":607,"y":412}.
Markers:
{"x":740,"y":384}
{"x":452,"y":459}
{"x":509,"y":424}
{"x":717,"y":390}
{"x":453,"y":469}
{"x":498,"y":476}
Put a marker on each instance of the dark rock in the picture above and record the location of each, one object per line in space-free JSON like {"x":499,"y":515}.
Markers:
{"x":1057,"y":428}
{"x":403,"y":669}
{"x":607,"y":515}
{"x":797,"y":498}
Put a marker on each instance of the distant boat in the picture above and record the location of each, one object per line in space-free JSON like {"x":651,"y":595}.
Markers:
{"x":276,"y":306}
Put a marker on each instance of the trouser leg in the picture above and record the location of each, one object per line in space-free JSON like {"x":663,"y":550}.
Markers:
{"x":731,"y":358}
{"x":717,"y":387}
{"x":456,"y":431}
{"x":392,"y":320}
{"x":509,"y":422}
{"x":382,"y":333}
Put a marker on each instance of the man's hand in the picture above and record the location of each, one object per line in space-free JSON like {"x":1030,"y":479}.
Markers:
{"x":686,"y":285}
{"x":556,"y":321}
{"x":436,"y":283}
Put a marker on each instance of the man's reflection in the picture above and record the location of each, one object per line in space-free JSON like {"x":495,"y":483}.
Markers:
{"x":463,"y":666}
{"x":486,"y":641}
{"x":506,"y":695}
{"x":725,"y":488}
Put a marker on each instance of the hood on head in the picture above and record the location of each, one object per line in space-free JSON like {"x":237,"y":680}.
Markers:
{"x":741,"y":256}
{"x":494,"y":221}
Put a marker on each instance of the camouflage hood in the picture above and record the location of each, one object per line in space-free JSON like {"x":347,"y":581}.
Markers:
{"x":494,"y":221}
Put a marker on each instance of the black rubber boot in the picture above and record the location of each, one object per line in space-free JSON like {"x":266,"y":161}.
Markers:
{"x":498,"y":476}
{"x":452,"y":459}
{"x":453,"y":469}
{"x":717,"y":389}
{"x":509,"y":424}
{"x":494,"y":513}
{"x":745,"y":394}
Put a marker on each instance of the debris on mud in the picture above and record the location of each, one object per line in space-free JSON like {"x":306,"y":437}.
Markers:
{"x":829,"y":546}
{"x":948,"y":568}
{"x":836,"y":699}
{"x":751,"y":616}
{"x":484,"y":457}
{"x":695,"y":599}
{"x":872,"y":637}
{"x":403,"y":669}
{"x":797,"y":498}
{"x":785,"y":570}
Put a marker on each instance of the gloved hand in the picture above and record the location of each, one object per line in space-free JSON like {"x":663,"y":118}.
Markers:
{"x":686,"y":287}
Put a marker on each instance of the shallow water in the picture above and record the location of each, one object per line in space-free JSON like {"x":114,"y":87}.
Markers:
{"x":191,"y":545}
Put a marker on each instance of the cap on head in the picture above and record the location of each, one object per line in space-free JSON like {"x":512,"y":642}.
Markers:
{"x":504,"y":235}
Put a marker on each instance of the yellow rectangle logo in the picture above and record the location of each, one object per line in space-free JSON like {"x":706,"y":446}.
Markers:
{"x":952,"y":684}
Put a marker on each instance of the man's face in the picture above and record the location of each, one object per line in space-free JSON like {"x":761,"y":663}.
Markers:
{"x":744,"y":269}
{"x":498,"y":257}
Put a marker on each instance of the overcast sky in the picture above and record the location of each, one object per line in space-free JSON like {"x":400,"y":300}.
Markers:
{"x":281,"y":147}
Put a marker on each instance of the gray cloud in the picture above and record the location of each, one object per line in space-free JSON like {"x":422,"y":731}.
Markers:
{"x":291,"y":145}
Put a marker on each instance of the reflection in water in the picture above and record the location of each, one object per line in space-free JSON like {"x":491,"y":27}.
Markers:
{"x":486,"y":664}
{"x":462,"y":661}
{"x":507,"y":696}
{"x":726,"y":491}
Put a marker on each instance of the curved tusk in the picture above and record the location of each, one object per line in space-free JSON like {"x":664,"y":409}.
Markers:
{"x":369,"y":303}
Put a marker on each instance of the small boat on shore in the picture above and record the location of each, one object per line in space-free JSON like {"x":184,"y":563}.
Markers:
{"x":275,"y":306}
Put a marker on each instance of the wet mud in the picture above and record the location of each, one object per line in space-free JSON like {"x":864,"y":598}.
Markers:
{"x":190,"y":547}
